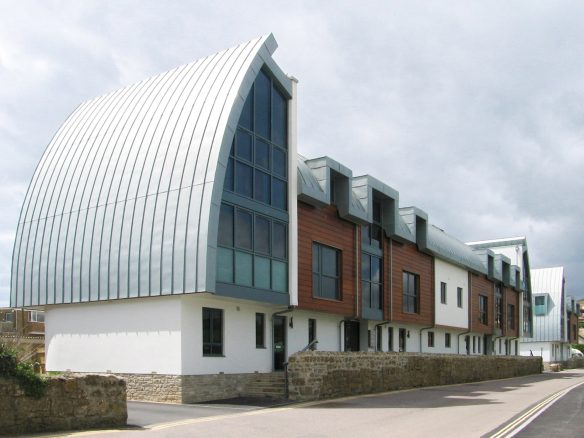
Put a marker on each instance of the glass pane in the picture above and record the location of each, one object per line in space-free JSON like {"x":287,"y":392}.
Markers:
{"x":279,"y":240}
{"x":329,"y":287}
{"x":262,"y":105}
{"x":329,"y":261}
{"x":365,"y":234}
{"x":262,"y":235}
{"x":316,"y":285}
{"x":217,"y":327}
{"x":246,"y":118}
{"x":315,"y":258}
{"x":375,"y":296}
{"x":225,"y":265}
{"x":226,"y":225}
{"x":243,"y":179}
{"x":243,"y":264}
{"x":375,"y":269}
{"x":365,"y":267}
{"x":279,"y":276}
{"x":279,"y":158}
{"x":377,"y":212}
{"x":376,"y":236}
{"x":243,"y":229}
{"x":261,"y":272}
{"x":366,"y":290}
{"x":262,"y":187}
{"x":260,"y":318}
{"x":279,"y":116}
{"x":279,"y":198}
{"x":229,"y":176}
{"x":262,"y":154}
{"x":243,"y":145}
{"x":206,"y":325}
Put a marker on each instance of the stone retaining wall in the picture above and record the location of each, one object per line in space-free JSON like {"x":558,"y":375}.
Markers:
{"x":70,"y":402}
{"x":321,"y":375}
{"x":198,"y":388}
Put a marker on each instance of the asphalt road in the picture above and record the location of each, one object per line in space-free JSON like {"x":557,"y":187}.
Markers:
{"x":491,"y":409}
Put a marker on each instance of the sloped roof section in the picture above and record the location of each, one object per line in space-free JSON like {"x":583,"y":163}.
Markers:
{"x":125,"y":200}
{"x":446,"y":247}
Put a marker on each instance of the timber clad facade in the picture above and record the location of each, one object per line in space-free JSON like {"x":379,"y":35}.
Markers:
{"x":222,"y":250}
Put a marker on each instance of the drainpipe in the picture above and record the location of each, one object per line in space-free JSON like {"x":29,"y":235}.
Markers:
{"x":469,"y":314}
{"x":379,"y":325}
{"x":357,"y":256}
{"x":390,"y":279}
{"x":341,"y":324}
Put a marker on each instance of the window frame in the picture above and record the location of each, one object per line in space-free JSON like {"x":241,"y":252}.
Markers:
{"x":317,"y":293}
{"x":409,"y":298}
{"x":484,"y":309}
{"x":447,"y":340}
{"x":511,"y":316}
{"x":431,"y":340}
{"x":459,"y":297}
{"x":213,"y":313}
{"x":443,"y":293}
{"x":262,"y":328}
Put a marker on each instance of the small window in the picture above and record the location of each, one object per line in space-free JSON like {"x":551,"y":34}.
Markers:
{"x":443,"y":292}
{"x":431,"y":339}
{"x":260,"y":323}
{"x":390,"y":339}
{"x":483,"y":309}
{"x":447,"y":340}
{"x":459,"y":296}
{"x":312,"y":332}
{"x":411,"y":289}
{"x":326,"y":281}
{"x":511,"y":317}
{"x":36,"y":316}
{"x":212,"y":332}
{"x":9,"y":317}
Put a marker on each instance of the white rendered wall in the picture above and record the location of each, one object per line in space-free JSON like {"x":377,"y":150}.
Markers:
{"x":130,"y":336}
{"x":412,"y":342}
{"x":450,"y":314}
{"x":543,"y":349}
{"x":327,"y":331}
{"x":240,"y":354}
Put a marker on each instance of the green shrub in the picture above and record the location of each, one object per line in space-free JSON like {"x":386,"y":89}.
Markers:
{"x":30,"y":382}
{"x":578,"y":347}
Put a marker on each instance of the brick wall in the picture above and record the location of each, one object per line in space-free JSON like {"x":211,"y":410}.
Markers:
{"x":408,"y":258}
{"x":70,"y":402}
{"x":323,"y":225}
{"x":321,"y":375}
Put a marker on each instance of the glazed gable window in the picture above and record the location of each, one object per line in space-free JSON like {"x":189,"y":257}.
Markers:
{"x":326,"y":272}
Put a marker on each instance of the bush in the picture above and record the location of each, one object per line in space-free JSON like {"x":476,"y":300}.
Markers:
{"x":578,"y":347}
{"x":31,"y":383}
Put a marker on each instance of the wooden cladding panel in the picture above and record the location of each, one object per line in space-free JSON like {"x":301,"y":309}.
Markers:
{"x":482,"y":286}
{"x":323,"y":225}
{"x":408,"y":258}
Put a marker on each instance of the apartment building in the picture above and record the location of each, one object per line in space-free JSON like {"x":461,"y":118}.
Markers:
{"x":172,"y":228}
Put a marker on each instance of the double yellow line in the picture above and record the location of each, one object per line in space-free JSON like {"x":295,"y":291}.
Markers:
{"x":530,"y":415}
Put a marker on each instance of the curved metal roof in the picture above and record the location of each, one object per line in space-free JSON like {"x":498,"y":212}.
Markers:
{"x":124,"y":201}
{"x":450,"y":249}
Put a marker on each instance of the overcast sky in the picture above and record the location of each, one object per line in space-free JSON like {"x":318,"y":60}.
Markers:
{"x":473,"y":111}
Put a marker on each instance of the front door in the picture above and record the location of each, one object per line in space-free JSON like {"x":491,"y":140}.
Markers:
{"x":351,"y":335}
{"x":279,"y":342}
{"x":402,"y":339}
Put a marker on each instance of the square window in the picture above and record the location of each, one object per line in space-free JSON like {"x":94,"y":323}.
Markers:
{"x":261,"y":190}
{"x":243,"y":179}
{"x":243,"y":268}
{"x":243,"y":229}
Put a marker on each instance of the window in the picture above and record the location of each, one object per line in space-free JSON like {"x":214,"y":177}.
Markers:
{"x":540,"y":305}
{"x":443,"y":292}
{"x":371,"y":235}
{"x":411,"y":287}
{"x":378,"y":335}
{"x":483,"y":309}
{"x":511,"y":316}
{"x":260,"y":326}
{"x":474,"y":344}
{"x":498,"y":308}
{"x":390,"y":339}
{"x":372,"y":281}
{"x":252,"y":249}
{"x":9,"y":317}
{"x":431,"y":339}
{"x":326,"y":278}
{"x":257,"y":167}
{"x":459,"y":296}
{"x":36,"y":316}
{"x":212,"y":332}
{"x":402,"y":340}
{"x":369,"y":340}
{"x":312,"y":331}
{"x":447,"y":340}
